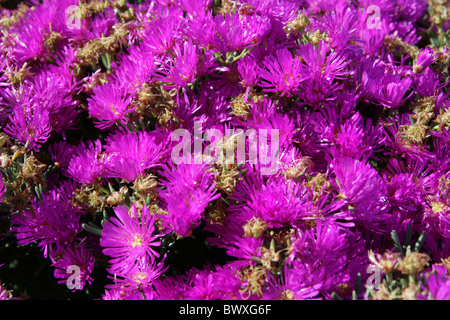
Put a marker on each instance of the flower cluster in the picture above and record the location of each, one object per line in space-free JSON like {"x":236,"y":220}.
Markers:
{"x":352,"y":98}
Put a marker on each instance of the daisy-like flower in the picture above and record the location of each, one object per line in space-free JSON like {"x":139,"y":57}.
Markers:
{"x":437,"y":284}
{"x":189,"y":188}
{"x":364,"y":191}
{"x":87,"y":163}
{"x":61,"y":153}
{"x":109,"y":104}
{"x":287,"y":287}
{"x":130,"y":154}
{"x":138,"y":279}
{"x":182,"y":69}
{"x":161,"y":33}
{"x":392,"y":93}
{"x":325,"y":69}
{"x":282,"y":73}
{"x":424,"y":59}
{"x":128,"y":238}
{"x":132,"y":70}
{"x":340,"y":25}
{"x":73,"y":258}
{"x":236,"y":33}
{"x":352,"y":137}
{"x":28,"y":121}
{"x":279,"y":204}
{"x":52,"y":222}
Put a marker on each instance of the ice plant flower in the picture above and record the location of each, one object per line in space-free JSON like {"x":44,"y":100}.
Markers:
{"x":189,"y":188}
{"x":87,"y":163}
{"x":51,"y":223}
{"x":129,"y":239}
{"x":282,"y":73}
{"x":131,"y":154}
{"x":350,"y":96}
{"x":74,"y":259}
{"x":364,"y":191}
{"x":110,"y":104}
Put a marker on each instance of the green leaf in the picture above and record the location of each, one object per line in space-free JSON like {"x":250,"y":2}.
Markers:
{"x":335,"y":296}
{"x":408,"y":236}
{"x":91,"y":228}
{"x":396,"y":240}
{"x":420,"y":241}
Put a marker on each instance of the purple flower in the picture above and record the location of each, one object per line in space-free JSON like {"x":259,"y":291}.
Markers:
{"x":276,"y":10}
{"x":325,"y":68}
{"x":137,"y":280}
{"x":29,"y":122}
{"x":52,"y":222}
{"x":282,"y":73}
{"x":424,"y":59}
{"x":110,"y":104}
{"x":248,"y":71}
{"x":364,"y":191}
{"x":353,"y":137}
{"x":340,"y":24}
{"x":287,"y":287}
{"x":437,"y":285}
{"x":133,"y":69}
{"x":236,"y":33}
{"x":70,"y":259}
{"x":189,"y":188}
{"x":427,"y":83}
{"x":161,"y":34}
{"x":87,"y":163}
{"x":131,"y":154}
{"x":61,"y":153}
{"x":392,"y":93}
{"x":182,"y":69}
{"x":128,"y":238}
{"x":320,"y":257}
{"x":195,"y":8}
{"x":279,"y":204}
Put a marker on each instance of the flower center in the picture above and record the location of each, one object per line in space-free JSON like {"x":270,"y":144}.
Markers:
{"x":137,"y":241}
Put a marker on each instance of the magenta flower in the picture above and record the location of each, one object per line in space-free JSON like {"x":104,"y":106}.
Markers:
{"x":279,"y":204}
{"x":71,"y":259}
{"x":131,"y":154}
{"x":282,"y":73}
{"x":424,"y":59}
{"x":364,"y":191}
{"x":182,"y":69}
{"x":87,"y":163}
{"x":161,"y":34}
{"x":29,"y":123}
{"x":51,"y":223}
{"x":133,"y":69}
{"x":437,"y":285}
{"x":136,"y":283}
{"x":236,"y":33}
{"x":287,"y":287}
{"x":392,"y":94}
{"x":61,"y":153}
{"x":189,"y":188}
{"x":110,"y":104}
{"x":128,"y":238}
